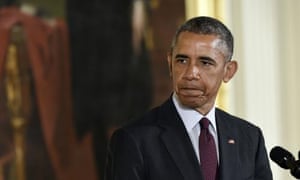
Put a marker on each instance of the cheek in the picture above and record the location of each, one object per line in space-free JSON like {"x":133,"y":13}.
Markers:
{"x":213,"y":81}
{"x":177,"y":80}
{"x":176,"y":74}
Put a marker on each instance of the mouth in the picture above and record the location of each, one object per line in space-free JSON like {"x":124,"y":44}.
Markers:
{"x":190,"y":92}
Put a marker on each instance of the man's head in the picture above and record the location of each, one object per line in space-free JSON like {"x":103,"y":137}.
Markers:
{"x":200,"y":59}
{"x":207,"y":26}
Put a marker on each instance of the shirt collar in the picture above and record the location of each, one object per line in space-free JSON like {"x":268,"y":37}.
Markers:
{"x":191,"y":117}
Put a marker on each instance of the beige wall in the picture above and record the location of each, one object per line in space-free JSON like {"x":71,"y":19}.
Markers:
{"x":267,"y":34}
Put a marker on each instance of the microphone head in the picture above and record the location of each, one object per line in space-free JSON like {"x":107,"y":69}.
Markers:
{"x":282,"y":157}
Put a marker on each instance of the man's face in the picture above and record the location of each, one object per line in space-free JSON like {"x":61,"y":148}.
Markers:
{"x":198,"y":67}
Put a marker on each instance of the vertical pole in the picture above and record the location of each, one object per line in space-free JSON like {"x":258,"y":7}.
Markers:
{"x":14,"y":102}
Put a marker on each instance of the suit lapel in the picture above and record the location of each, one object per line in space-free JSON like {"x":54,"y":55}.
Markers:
{"x":227,"y":146}
{"x":178,"y":143}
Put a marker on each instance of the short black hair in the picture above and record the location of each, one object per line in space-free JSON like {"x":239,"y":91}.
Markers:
{"x":207,"y":26}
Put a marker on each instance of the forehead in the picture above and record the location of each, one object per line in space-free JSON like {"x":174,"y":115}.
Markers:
{"x":193,"y":43}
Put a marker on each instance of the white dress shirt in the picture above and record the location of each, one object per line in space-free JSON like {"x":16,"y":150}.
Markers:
{"x":191,"y":118}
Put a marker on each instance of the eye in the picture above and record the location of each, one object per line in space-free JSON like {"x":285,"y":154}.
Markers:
{"x":181,"y":60}
{"x":207,"y":61}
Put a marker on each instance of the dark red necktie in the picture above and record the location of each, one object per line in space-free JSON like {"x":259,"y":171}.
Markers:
{"x":208,"y":153}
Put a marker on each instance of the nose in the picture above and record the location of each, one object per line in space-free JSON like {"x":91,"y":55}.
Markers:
{"x":192,"y":72}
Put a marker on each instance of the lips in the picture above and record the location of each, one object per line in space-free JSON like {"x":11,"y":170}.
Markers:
{"x":190,"y":91}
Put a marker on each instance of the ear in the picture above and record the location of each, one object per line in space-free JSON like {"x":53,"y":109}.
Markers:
{"x":170,"y":63}
{"x":230,"y":69}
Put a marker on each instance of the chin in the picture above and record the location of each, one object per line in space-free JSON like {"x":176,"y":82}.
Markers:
{"x":189,"y":102}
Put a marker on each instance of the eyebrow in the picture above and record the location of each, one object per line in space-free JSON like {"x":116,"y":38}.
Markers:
{"x":206,"y":58}
{"x":178,"y":56}
{"x":181,"y":56}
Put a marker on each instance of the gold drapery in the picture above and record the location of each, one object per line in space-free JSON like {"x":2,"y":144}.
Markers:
{"x":15,"y":101}
{"x":213,"y":8}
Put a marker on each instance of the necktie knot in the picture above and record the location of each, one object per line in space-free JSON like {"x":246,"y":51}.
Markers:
{"x":204,"y":122}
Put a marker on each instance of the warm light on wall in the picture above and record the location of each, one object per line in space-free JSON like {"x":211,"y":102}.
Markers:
{"x":213,"y":8}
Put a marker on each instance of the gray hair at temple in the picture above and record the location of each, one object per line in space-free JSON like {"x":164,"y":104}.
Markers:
{"x":207,"y":26}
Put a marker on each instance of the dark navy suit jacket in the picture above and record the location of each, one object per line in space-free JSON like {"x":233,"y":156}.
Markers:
{"x":157,"y":147}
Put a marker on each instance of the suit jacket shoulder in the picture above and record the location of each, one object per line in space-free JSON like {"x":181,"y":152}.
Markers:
{"x":155,"y":147}
{"x":242,"y":149}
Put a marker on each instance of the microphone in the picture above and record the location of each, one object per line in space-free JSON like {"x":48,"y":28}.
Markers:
{"x":286,"y":160}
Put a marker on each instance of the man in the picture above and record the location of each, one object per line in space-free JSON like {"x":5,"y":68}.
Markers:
{"x":169,"y":143}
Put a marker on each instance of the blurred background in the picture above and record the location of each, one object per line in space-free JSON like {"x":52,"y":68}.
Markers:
{"x":72,"y":71}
